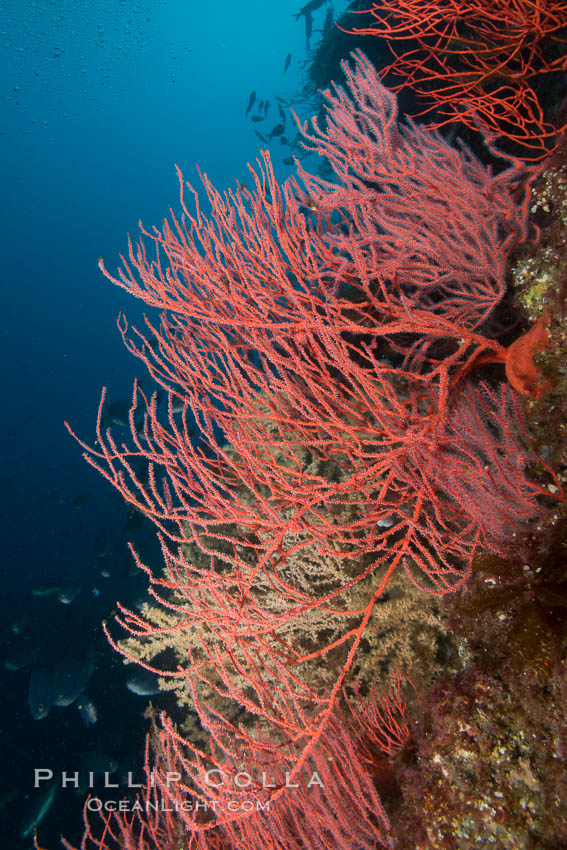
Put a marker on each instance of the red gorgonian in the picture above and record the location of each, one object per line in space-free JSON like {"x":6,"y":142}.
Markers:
{"x":318,"y":342}
{"x":488,"y":62}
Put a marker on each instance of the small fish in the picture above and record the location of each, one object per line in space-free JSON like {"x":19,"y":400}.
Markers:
{"x":251,"y":102}
{"x":386,"y":522}
{"x":288,"y":160}
{"x":261,"y":137}
{"x":41,"y":802}
{"x":65,"y":591}
{"x":143,"y":682}
{"x":282,"y":114}
{"x":47,"y":589}
{"x":98,"y":763}
{"x":287,"y":61}
{"x":257,"y":118}
{"x":276,"y":131}
{"x":150,"y":345}
{"x":87,"y":710}
{"x":266,"y":107}
{"x":68,"y":593}
{"x":283,"y":140}
{"x":40,"y":694}
{"x":94,"y":767}
{"x":118,"y":413}
{"x":312,"y":6}
{"x":140,"y":431}
{"x":71,"y":676}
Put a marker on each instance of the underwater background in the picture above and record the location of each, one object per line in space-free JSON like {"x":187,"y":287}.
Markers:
{"x":100,"y":102}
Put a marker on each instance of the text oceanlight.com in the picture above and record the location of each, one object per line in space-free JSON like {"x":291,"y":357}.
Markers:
{"x":95,"y":804}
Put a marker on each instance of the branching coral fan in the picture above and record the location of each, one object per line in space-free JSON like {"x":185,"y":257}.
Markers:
{"x":320,"y":338}
{"x":479,"y":61}
{"x":338,"y":806}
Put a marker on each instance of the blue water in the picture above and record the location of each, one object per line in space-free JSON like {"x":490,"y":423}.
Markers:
{"x":99,"y":100}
